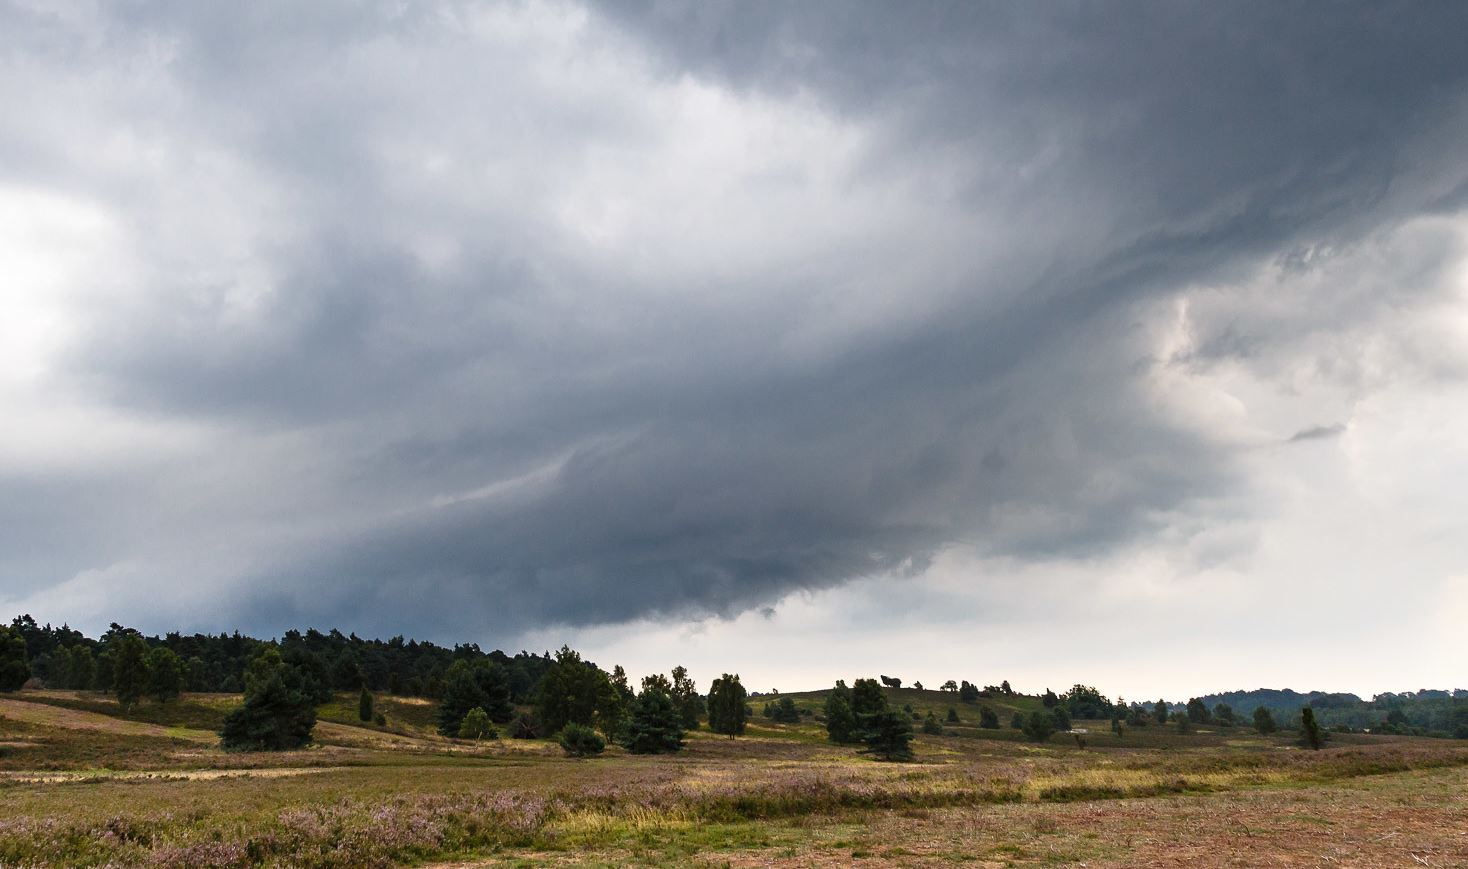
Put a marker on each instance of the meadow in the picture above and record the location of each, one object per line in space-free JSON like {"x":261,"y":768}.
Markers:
{"x":82,"y":784}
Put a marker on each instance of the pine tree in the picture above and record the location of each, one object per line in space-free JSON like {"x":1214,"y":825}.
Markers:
{"x":685,"y":696}
{"x":888,"y":735}
{"x":130,"y":676}
{"x":931,"y":725}
{"x":655,"y":726}
{"x":1039,"y":726}
{"x":1310,"y":731}
{"x":726,"y":705}
{"x":1264,"y":720}
{"x":279,"y":711}
{"x":461,"y":693}
{"x":1159,"y":712}
{"x":364,"y":705}
{"x":841,"y":723}
{"x":988,"y":718}
{"x":15,"y":667}
{"x":165,"y":674}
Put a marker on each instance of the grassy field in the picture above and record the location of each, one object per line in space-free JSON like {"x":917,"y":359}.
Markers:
{"x":80,"y":784}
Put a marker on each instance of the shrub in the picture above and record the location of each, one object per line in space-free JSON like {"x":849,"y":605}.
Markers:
{"x":931,"y":725}
{"x":578,"y":740}
{"x":475,"y":725}
{"x":364,"y":705}
{"x":379,"y":719}
{"x":1039,"y":726}
{"x":1018,"y":721}
{"x":953,"y":715}
{"x":988,"y":718}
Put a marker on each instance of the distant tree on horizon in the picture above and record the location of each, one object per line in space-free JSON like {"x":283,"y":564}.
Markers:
{"x":1159,"y":712}
{"x":1264,"y":720}
{"x":15,"y":666}
{"x":165,"y":674}
{"x":130,"y":676}
{"x":841,"y":724}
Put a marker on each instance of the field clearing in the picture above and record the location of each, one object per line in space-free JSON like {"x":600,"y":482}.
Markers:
{"x":78,"y":787}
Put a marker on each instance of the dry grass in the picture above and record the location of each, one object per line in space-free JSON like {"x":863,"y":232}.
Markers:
{"x":84,"y":788}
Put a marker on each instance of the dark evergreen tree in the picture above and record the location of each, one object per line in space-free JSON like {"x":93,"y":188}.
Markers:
{"x":1062,"y":718}
{"x":1310,"y":732}
{"x":953,"y":715}
{"x":968,"y":692}
{"x":841,"y":724}
{"x":988,"y":718}
{"x":575,"y":691}
{"x":888,"y":735}
{"x":931,"y":726}
{"x":1017,"y":721}
{"x":1159,"y":712}
{"x":1049,"y":699}
{"x":867,"y":698}
{"x":1264,"y":720}
{"x":1198,"y":711}
{"x":655,"y":725}
{"x":685,"y":696}
{"x":580,"y":741}
{"x":1183,"y":721}
{"x":1224,"y":714}
{"x":279,"y":711}
{"x":364,"y":705}
{"x":726,"y":705}
{"x":130,"y":676}
{"x":461,"y":692}
{"x":15,"y":665}
{"x":1039,"y":726}
{"x":165,"y":674}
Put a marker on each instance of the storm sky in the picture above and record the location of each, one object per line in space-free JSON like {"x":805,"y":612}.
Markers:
{"x":1118,"y":343}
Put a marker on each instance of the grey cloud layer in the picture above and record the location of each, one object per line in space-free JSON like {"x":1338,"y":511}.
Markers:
{"x":461,"y":344}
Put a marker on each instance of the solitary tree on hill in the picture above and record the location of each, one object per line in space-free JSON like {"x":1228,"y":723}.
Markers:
{"x":364,"y":705}
{"x":279,"y":711}
{"x":1310,"y":731}
{"x":727,"y":705}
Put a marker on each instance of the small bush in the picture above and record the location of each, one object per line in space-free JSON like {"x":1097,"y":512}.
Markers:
{"x":578,"y":740}
{"x":476,"y":725}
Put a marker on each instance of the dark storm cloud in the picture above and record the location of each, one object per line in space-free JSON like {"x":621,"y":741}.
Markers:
{"x":537,"y":434}
{"x":1318,"y":432}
